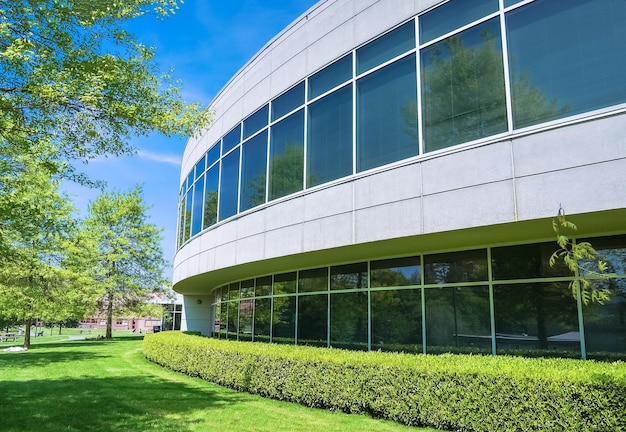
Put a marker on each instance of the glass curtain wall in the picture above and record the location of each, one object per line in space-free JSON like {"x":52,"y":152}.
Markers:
{"x":473,"y":71}
{"x":512,"y":303}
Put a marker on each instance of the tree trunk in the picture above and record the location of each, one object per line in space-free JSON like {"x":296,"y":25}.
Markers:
{"x":60,"y":327}
{"x":109,"y":334}
{"x":29,"y":322}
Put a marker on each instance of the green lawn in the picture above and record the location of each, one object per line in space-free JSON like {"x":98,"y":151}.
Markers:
{"x":109,"y":386}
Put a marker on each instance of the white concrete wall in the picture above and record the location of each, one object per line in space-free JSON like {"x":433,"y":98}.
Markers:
{"x":197,"y":314}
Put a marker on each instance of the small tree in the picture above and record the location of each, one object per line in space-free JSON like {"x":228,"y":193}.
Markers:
{"x":129,"y":254}
{"x":581,"y":259}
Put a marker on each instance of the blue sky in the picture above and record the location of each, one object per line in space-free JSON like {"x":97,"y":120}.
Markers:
{"x":204,"y":44}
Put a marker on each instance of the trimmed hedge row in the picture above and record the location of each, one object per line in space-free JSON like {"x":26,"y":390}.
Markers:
{"x":455,"y":392}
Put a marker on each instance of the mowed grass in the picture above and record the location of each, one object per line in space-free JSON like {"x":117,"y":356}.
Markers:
{"x":109,"y":386}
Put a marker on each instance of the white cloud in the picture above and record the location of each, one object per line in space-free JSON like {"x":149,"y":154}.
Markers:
{"x":171,"y":159}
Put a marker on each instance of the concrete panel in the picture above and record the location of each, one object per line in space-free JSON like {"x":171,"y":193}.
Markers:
{"x":567,"y":147}
{"x":379,"y":18}
{"x":388,"y":186}
{"x":469,"y":207}
{"x":328,"y":202}
{"x":206,"y":261}
{"x":396,"y":219}
{"x":472,"y":167}
{"x":226,"y":255}
{"x":251,"y":249}
{"x":290,"y":72}
{"x":257,"y":95}
{"x":196,"y":313}
{"x":283,"y":241}
{"x":328,"y":17}
{"x":250,"y":224}
{"x":225,"y":233}
{"x":328,"y":232}
{"x":330,"y":47}
{"x":284,"y":214}
{"x":579,"y":190}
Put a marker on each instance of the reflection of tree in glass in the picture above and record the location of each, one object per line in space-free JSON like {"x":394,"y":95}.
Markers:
{"x":286,"y":171}
{"x":395,"y":278}
{"x":396,"y":320}
{"x":210,"y":208}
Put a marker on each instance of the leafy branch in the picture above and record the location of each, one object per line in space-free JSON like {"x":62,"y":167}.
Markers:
{"x":581,"y":259}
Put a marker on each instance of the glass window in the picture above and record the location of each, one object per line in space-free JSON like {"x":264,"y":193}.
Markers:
{"x":350,"y":276}
{"x":288,"y":101}
{"x":255,"y":122}
{"x":313,"y":320}
{"x":396,"y":272}
{"x":229,"y":185}
{"x":387,"y":115}
{"x":466,"y":266}
{"x":210,"y":196}
{"x":611,"y":250}
{"x":190,"y":179}
{"x":232,"y":327}
{"x":313,"y":280}
{"x":508,"y":3}
{"x":198,"y":192}
{"x":262,"y":313}
{"x":253,"y":169}
{"x":463,"y":95}
{"x":285,"y":283}
{"x":246,"y":312}
{"x":348,"y":320}
{"x":247,"y":288}
{"x":264,"y":286}
{"x":397,"y":320}
{"x":188,"y":209}
{"x":329,"y":145}
{"x":231,"y":140}
{"x":287,"y":156}
{"x":181,"y":221}
{"x":526,"y":262}
{"x":213,"y":154}
{"x":386,"y":47}
{"x":566,"y":58}
{"x":605,"y":324}
{"x":458,"y":320}
{"x":284,"y":320}
{"x":536,"y":319}
{"x":452,"y":15}
{"x":200,"y":167}
{"x":223,"y":319}
{"x":330,"y":77}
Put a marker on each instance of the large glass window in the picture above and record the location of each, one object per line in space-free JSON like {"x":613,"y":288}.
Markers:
{"x":526,"y":262}
{"x":200,"y":167}
{"x":253,"y":170}
{"x":210,"y":195}
{"x":386,"y":47}
{"x":288,"y":101}
{"x":264,"y":286}
{"x":536,"y":319}
{"x":188,"y":209}
{"x":452,"y":15}
{"x":463,"y":95}
{"x":231,"y":140}
{"x":566,"y":58}
{"x":605,"y":324}
{"x":329,"y":145}
{"x":313,"y":320}
{"x":255,"y":122}
{"x":246,"y":312}
{"x":262,"y":321}
{"x":213,"y":155}
{"x":285,"y":283}
{"x":313,"y":280}
{"x":397,"y":320}
{"x":387,"y":115}
{"x":287,"y":156}
{"x":330,"y":77}
{"x":348,"y":320}
{"x":229,"y":185}
{"x":396,"y":272}
{"x":465,"y":266}
{"x":458,"y":319}
{"x":198,"y":192}
{"x":349,"y":276}
{"x":284,"y":320}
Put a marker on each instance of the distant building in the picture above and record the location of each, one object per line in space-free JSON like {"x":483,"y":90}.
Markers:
{"x":383,"y":175}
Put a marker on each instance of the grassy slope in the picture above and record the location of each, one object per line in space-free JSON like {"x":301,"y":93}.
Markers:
{"x":109,"y":386}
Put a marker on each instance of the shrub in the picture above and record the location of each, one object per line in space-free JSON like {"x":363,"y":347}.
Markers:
{"x":456,"y":392}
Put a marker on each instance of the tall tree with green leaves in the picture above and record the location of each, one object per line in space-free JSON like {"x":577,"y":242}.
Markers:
{"x":129,"y":254}
{"x":72,"y":78}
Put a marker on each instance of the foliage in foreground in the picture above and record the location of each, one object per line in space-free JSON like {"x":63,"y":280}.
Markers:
{"x":454,"y":392}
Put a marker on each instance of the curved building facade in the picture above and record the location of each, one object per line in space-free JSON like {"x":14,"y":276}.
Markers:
{"x":383,"y":174}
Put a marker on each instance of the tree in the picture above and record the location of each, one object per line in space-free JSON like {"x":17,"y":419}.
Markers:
{"x":37,"y":277}
{"x":72,"y":78}
{"x":129,"y":253}
{"x":582,"y":260}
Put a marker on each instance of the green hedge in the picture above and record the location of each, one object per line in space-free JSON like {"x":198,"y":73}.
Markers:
{"x":455,"y":392}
